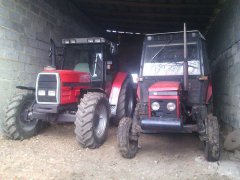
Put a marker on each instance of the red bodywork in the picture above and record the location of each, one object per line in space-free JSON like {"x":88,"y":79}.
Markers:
{"x":164,"y":86}
{"x":116,"y":87}
{"x":138,"y":91}
{"x":71,"y":82}
{"x":209,"y":92}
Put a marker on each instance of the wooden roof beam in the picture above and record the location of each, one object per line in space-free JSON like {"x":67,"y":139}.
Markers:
{"x":147,"y":29}
{"x":150,"y":4}
{"x":137,"y":21}
{"x":153,"y":15}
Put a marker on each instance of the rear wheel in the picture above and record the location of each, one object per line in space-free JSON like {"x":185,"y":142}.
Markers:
{"x":92,"y":120}
{"x":127,"y":146}
{"x":17,"y":123}
{"x":126,"y":99}
{"x":211,"y":145}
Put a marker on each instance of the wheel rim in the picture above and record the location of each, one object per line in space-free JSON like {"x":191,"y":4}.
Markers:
{"x":100,"y":120}
{"x":24,"y":116}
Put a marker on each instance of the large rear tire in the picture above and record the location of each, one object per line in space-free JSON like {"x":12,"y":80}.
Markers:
{"x":16,"y":124}
{"x":211,"y":145}
{"x":125,"y":106}
{"x":92,"y":120}
{"x":127,"y":147}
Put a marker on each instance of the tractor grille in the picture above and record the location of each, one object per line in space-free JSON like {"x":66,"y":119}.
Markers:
{"x":47,"y":83}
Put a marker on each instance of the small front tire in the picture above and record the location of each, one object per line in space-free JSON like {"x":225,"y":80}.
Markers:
{"x":211,"y":145}
{"x":127,"y":146}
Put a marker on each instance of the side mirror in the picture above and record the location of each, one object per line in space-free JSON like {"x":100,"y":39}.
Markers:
{"x":113,"y":48}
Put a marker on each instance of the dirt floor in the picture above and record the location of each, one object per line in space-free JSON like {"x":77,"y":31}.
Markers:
{"x":54,"y":154}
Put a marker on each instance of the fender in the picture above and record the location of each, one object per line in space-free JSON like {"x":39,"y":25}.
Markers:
{"x":25,"y":88}
{"x":115,"y":91}
{"x":209,"y":92}
{"x":94,"y":90}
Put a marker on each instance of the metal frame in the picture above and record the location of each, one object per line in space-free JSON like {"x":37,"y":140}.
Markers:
{"x":197,"y":31}
{"x":90,"y":40}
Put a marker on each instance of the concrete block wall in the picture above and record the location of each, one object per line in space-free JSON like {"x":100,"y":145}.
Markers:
{"x":25,"y":29}
{"x":224,"y":52}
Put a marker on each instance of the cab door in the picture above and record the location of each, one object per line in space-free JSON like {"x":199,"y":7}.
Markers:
{"x":97,"y":73}
{"x":110,"y":65}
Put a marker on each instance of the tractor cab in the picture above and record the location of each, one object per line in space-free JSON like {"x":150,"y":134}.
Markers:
{"x":174,"y":92}
{"x":95,"y":56}
{"x":82,"y":63}
{"x":161,"y":77}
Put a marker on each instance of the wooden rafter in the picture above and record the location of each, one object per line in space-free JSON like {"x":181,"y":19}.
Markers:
{"x":148,"y":14}
{"x":147,"y":29}
{"x":149,"y":4}
{"x":137,"y":21}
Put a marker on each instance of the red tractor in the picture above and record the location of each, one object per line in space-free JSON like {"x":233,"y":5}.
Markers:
{"x":174,"y":93}
{"x":86,"y":89}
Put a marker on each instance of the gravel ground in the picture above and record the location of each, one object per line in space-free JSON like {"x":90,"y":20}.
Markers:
{"x":54,"y":154}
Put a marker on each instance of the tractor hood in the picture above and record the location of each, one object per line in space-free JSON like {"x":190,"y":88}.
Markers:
{"x":164,"y":86}
{"x":70,"y":76}
{"x":61,"y":86}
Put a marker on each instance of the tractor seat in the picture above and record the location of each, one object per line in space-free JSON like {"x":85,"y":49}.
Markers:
{"x":82,"y":67}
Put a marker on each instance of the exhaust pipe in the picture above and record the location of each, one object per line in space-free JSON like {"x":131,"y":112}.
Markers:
{"x":185,"y":64}
{"x":52,"y":53}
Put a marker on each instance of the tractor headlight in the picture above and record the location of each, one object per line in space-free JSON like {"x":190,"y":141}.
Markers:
{"x":41,"y":93}
{"x":155,"y":106}
{"x":52,"y":93}
{"x":171,"y":106}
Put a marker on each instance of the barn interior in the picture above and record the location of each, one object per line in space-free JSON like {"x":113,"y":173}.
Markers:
{"x":26,"y":27}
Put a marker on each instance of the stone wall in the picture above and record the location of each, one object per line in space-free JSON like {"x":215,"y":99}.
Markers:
{"x":25,"y":29}
{"x":224,"y":52}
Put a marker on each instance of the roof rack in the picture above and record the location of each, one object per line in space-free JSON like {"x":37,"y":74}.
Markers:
{"x":88,"y":40}
{"x":192,"y":31}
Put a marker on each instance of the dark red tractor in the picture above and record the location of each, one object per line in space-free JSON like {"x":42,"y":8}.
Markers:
{"x":83,"y":86}
{"x":174,"y":93}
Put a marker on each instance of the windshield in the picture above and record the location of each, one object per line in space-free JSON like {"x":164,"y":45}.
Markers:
{"x":82,"y":53}
{"x":167,"y":59}
{"x":84,"y":58}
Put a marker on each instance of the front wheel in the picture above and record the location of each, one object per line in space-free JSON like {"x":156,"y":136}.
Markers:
{"x":127,"y":146}
{"x":92,"y":120}
{"x":211,"y":145}
{"x":17,"y":123}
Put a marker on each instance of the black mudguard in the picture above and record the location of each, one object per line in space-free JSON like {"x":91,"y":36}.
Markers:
{"x":26,"y":88}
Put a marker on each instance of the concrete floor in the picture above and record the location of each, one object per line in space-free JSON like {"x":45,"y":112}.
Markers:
{"x":54,"y":154}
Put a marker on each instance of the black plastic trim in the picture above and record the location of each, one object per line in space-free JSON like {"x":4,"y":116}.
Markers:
{"x":46,"y":108}
{"x":76,"y":84}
